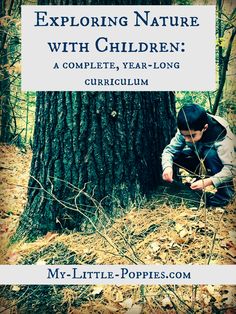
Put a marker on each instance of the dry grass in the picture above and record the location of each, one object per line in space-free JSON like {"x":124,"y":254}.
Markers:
{"x":155,"y":234}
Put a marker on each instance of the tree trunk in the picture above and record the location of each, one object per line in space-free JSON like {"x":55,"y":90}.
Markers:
{"x":107,"y":145}
{"x":5,"y":107}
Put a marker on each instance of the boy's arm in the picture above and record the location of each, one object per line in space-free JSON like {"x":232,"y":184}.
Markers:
{"x":226,"y":153}
{"x":176,"y":145}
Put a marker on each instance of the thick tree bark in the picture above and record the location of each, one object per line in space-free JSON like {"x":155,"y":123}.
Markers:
{"x":107,"y":144}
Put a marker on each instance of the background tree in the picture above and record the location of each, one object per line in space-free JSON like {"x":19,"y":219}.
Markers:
{"x":222,"y":100}
{"x":5,"y":108}
{"x":226,"y":27}
{"x":16,"y":108}
{"x":104,"y":144}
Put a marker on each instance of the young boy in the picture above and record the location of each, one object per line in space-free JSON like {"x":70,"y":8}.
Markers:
{"x":203,"y":142}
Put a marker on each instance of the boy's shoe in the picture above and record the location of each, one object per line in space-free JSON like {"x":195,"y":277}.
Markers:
{"x":213,"y":200}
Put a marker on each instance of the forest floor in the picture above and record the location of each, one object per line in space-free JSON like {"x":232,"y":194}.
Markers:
{"x":155,"y":233}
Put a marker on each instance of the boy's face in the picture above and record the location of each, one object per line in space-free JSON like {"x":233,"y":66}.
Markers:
{"x":193,"y":136}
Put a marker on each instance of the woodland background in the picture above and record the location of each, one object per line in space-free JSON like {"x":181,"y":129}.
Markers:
{"x":164,"y":229}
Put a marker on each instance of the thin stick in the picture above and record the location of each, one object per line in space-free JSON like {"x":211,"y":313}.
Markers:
{"x":214,"y":238}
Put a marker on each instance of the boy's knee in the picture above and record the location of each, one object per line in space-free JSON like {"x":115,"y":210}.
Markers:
{"x":187,"y":160}
{"x":184,"y":156}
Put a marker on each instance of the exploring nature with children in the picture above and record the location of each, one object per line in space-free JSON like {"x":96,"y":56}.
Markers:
{"x":117,"y":157}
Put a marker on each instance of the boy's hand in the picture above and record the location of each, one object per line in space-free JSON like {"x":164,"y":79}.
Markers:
{"x":201,"y":184}
{"x":167,"y":174}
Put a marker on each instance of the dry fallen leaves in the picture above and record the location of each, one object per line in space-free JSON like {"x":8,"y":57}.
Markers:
{"x":127,"y":303}
{"x":97,"y":290}
{"x":179,"y":239}
{"x":166,"y":302}
{"x":135,"y":309}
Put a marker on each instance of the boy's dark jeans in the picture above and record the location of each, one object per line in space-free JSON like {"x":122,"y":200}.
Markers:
{"x":188,"y":160}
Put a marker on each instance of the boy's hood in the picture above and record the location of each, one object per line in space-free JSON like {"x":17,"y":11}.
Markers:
{"x":216,"y":131}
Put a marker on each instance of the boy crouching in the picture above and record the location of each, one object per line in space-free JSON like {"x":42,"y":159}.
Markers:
{"x":202,"y":142}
